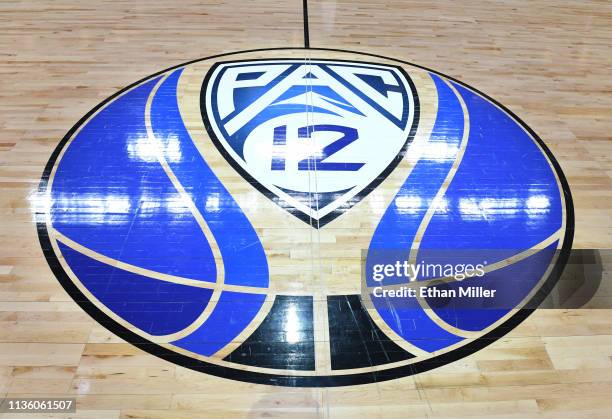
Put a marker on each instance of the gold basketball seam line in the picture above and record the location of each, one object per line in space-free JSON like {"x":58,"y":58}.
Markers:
{"x":225,"y":350}
{"x":439,"y":194}
{"x":489,"y":268}
{"x":447,"y":180}
{"x":129,"y":267}
{"x":411,"y":158}
{"x":103,"y":308}
{"x":321,"y":319}
{"x":188,"y":201}
{"x":539,"y":146}
{"x":263,"y":312}
{"x":236,"y":366}
{"x":498,"y":265}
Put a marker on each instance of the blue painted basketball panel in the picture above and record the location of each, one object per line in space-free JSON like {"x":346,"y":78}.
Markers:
{"x":154,"y":306}
{"x":487,"y":205}
{"x":511,"y":284}
{"x":110,"y":194}
{"x":395,"y":233}
{"x":243,"y":256}
{"x":153,"y":227}
{"x":485,"y":209}
{"x":233,"y":313}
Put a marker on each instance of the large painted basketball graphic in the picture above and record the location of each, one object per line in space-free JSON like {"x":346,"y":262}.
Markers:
{"x":282,"y":200}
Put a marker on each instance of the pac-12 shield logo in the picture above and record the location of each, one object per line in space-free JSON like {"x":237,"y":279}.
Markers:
{"x":247,"y":216}
{"x":278,"y":122}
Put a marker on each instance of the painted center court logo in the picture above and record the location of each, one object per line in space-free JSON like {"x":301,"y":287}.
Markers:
{"x":307,"y":132}
{"x":247,"y":216}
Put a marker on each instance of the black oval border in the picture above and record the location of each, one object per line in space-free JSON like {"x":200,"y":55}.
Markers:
{"x":289,"y":380}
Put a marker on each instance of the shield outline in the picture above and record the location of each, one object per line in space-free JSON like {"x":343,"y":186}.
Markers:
{"x":316,"y":223}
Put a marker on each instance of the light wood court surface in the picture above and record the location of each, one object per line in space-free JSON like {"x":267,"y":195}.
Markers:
{"x":548,"y":61}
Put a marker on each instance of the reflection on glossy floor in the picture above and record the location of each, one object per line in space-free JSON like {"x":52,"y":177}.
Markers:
{"x":555,"y":362}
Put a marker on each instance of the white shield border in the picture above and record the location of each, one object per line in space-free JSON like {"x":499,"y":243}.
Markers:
{"x":276,"y":195}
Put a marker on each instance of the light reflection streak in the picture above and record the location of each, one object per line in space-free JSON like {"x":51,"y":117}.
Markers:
{"x":535,"y":205}
{"x":410,"y":204}
{"x":142,"y":149}
{"x":110,"y":209}
{"x":212,"y":202}
{"x":440,"y":151}
{"x":292,"y":325}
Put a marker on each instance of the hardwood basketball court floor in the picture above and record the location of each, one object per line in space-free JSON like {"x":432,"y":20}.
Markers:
{"x":196,"y":195}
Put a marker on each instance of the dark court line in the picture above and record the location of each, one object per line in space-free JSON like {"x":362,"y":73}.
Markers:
{"x":306,"y":31}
